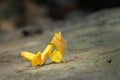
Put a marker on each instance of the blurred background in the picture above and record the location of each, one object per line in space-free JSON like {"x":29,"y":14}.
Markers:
{"x":23,"y":18}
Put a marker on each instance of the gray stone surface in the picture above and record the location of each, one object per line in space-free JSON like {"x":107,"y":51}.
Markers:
{"x":93,"y":51}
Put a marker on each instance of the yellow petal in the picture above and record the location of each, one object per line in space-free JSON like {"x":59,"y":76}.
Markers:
{"x":48,"y":50}
{"x":56,"y":56}
{"x":28,"y":55}
{"x":37,"y":59}
{"x":61,"y":38}
{"x":59,"y":42}
{"x":59,"y":45}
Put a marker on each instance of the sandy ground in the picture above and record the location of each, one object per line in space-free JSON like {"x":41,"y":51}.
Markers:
{"x":93,"y":51}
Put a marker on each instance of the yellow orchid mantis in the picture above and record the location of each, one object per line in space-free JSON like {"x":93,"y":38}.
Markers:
{"x":55,"y":50}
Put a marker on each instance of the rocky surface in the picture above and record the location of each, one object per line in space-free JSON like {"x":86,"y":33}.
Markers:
{"x":93,"y":51}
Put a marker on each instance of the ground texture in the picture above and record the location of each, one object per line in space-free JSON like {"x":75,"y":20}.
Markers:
{"x":93,"y":50}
